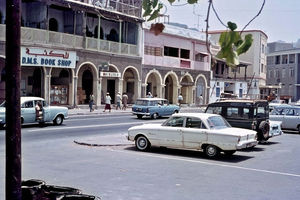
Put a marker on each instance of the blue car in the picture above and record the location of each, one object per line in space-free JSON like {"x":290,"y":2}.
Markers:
{"x":153,"y":107}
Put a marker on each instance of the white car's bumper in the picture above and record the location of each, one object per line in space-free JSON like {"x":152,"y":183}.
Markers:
{"x":141,"y":113}
{"x":246,"y":144}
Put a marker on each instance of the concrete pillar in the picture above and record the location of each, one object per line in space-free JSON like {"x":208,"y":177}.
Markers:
{"x":47,"y":87}
{"x":120,"y":89}
{"x":75,"y":83}
{"x":139,"y":89}
{"x":98,"y":92}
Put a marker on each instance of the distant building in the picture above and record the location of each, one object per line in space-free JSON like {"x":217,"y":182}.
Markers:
{"x":254,"y":61}
{"x":176,"y":61}
{"x":283,"y":71}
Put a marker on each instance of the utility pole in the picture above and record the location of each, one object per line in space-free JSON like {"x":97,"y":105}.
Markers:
{"x":12,"y":97}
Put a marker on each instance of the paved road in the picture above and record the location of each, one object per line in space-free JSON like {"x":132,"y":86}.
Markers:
{"x":269,"y":171}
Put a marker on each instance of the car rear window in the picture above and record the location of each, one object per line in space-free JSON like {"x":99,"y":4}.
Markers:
{"x":217,"y":122}
{"x":141,"y":102}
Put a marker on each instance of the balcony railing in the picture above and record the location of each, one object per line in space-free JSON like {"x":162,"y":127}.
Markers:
{"x":39,"y":36}
{"x":129,"y":7}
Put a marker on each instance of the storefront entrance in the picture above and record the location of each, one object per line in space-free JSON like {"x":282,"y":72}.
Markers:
{"x":111,"y":89}
{"x":87,"y":85}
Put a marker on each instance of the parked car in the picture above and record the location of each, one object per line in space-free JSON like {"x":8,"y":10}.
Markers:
{"x":249,"y":114}
{"x":288,"y":115}
{"x":198,"y":131}
{"x":153,"y":107}
{"x":55,"y":114}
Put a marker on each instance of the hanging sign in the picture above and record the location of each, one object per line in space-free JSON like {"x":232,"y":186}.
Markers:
{"x":31,"y":56}
{"x":110,"y":74}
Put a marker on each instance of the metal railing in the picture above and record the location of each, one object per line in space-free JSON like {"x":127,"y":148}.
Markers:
{"x":40,"y":36}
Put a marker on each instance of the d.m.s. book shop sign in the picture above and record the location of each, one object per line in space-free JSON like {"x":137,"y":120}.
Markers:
{"x":31,"y":56}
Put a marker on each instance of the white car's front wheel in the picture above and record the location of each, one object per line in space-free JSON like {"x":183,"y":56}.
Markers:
{"x":142,"y":143}
{"x":211,"y":151}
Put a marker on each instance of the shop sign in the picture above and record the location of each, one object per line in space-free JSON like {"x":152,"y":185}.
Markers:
{"x":110,"y":74}
{"x":187,"y":83}
{"x":47,"y":57}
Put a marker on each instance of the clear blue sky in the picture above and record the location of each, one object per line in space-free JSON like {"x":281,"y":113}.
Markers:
{"x":279,"y":18}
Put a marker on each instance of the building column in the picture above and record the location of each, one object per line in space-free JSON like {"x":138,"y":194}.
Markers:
{"x":47,"y":87}
{"x":99,"y":26}
{"x":139,"y":89}
{"x":75,"y":85}
{"x":99,"y":87}
{"x":120,"y":36}
{"x":143,"y":90}
{"x":120,"y":89}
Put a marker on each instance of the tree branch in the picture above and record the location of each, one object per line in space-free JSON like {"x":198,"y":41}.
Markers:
{"x":262,"y":6}
{"x":218,"y":15}
{"x":207,"y":26}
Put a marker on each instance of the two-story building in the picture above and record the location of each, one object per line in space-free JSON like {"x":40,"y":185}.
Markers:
{"x":283,"y":70}
{"x":176,"y":62}
{"x":255,"y":59}
{"x":71,"y":49}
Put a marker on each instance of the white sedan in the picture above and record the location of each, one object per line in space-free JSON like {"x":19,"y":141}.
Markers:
{"x":199,"y":131}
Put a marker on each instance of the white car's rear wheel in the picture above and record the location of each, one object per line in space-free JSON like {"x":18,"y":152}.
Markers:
{"x":155,"y":116}
{"x":142,"y":143}
{"x":211,"y":151}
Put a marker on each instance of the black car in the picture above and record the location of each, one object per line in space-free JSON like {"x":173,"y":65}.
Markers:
{"x":249,"y":114}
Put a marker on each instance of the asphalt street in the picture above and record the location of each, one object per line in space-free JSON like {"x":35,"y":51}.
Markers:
{"x":269,"y":171}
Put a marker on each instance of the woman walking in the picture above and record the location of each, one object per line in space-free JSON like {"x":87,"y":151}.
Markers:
{"x":107,"y":103}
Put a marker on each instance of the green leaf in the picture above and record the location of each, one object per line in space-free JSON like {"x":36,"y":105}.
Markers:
{"x":154,"y":15}
{"x":232,"y":26}
{"x":154,"y":3}
{"x":147,"y":12}
{"x":160,"y":6}
{"x":192,"y":1}
{"x":171,"y":1}
{"x":245,"y":46}
{"x":146,"y":4}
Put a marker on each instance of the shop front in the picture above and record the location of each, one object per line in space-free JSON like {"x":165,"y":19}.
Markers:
{"x":47,"y":73}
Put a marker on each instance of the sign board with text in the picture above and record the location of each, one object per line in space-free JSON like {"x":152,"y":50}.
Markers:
{"x":110,"y":74}
{"x":31,"y":56}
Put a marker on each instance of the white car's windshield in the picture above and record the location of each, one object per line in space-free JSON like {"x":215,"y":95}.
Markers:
{"x":217,"y":122}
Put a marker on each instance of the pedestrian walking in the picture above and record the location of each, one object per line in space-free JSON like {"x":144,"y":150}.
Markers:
{"x":180,"y":99}
{"x":200,"y":99}
{"x":149,"y":95}
{"x":124,"y":101}
{"x":119,"y":99}
{"x":91,"y":102}
{"x":107,"y":102}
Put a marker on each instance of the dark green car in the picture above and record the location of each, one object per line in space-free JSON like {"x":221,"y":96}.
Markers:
{"x":249,"y":114}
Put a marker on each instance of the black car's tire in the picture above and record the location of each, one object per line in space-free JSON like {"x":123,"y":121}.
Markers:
{"x":298,"y":128}
{"x":58,"y":120}
{"x":139,"y":116}
{"x":229,"y":152}
{"x":155,"y":116}
{"x":264,"y":128}
{"x":142,"y":143}
{"x":211,"y":151}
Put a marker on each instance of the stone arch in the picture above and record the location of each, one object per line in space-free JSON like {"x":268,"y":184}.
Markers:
{"x":153,"y":83}
{"x":87,"y":74}
{"x":171,"y":85}
{"x":130,"y":83}
{"x":201,"y":89}
{"x":187,"y":84}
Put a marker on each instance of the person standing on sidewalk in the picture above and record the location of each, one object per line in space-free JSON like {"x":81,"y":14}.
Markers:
{"x":91,"y":102}
{"x":118,"y":101}
{"x":124,"y":101}
{"x":180,"y":99}
{"x":107,"y":102}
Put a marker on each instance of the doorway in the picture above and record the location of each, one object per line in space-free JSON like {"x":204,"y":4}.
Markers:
{"x":111,"y":89}
{"x":36,"y":83}
{"x":87,"y":84}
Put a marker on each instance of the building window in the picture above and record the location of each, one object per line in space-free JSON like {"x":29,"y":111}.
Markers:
{"x":292,"y":58}
{"x":262,"y":68}
{"x":154,"y":51}
{"x":184,"y":53}
{"x":291,"y":72}
{"x":284,"y":59}
{"x":277,"y":73}
{"x":263,"y":48}
{"x":270,"y":73}
{"x":270,"y":60}
{"x":240,"y":93}
{"x":277,"y":60}
{"x":200,"y":57}
{"x":218,"y":91}
{"x":283,"y":72}
{"x":171,"y":51}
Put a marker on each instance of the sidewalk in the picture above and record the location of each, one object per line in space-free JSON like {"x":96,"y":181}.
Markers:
{"x":84,"y":110}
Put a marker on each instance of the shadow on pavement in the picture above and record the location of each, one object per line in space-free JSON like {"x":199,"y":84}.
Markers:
{"x":235,"y":158}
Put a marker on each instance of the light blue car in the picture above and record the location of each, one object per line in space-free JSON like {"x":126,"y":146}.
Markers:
{"x":153,"y":107}
{"x":55,"y":114}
